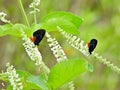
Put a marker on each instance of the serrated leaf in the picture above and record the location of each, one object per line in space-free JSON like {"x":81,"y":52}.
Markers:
{"x":67,"y":21}
{"x":65,"y":71}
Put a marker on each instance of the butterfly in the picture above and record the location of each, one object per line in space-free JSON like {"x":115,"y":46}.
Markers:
{"x":38,"y":36}
{"x":92,"y":45}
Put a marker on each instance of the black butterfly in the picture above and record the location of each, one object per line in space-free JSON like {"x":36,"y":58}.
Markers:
{"x":38,"y":36}
{"x":91,"y":45}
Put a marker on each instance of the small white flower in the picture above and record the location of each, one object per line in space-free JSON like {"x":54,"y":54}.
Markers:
{"x":34,"y":5}
{"x":75,"y":42}
{"x":2,"y":17}
{"x":14,"y":77}
{"x":56,"y":48}
{"x":106,"y":62}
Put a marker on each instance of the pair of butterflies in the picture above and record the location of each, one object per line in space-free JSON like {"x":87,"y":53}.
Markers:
{"x":39,"y":34}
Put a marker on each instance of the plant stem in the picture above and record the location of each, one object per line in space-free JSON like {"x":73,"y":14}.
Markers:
{"x":23,"y":12}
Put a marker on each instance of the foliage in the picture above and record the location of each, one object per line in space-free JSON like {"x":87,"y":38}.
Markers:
{"x":101,"y":21}
{"x":71,"y":68}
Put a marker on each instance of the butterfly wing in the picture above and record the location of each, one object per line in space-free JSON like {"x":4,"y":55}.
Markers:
{"x":39,"y":34}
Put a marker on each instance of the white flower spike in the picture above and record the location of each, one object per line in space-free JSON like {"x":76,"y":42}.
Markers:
{"x":76,"y":43}
{"x":14,"y":79}
{"x":56,"y":48}
{"x":34,"y":53}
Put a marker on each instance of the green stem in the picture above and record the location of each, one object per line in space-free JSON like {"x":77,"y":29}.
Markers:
{"x":23,"y":12}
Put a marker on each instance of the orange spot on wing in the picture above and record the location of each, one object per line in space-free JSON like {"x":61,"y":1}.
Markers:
{"x":33,"y":39}
{"x":88,"y":44}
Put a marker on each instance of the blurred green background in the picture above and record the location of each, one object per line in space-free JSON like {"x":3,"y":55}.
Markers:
{"x":101,"y":21}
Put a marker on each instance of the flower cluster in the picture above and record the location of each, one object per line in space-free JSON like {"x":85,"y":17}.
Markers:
{"x":75,"y":42}
{"x":56,"y":48}
{"x":33,"y":52}
{"x":14,"y":77}
{"x":34,"y":5}
{"x":2,"y":17}
{"x":106,"y":62}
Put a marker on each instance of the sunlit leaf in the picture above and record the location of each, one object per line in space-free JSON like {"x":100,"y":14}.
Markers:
{"x":65,"y":71}
{"x":64,"y":24}
{"x":14,"y":30}
{"x":75,"y":20}
{"x":31,"y":82}
{"x":67,"y":21}
{"x":39,"y":81}
{"x":4,"y":29}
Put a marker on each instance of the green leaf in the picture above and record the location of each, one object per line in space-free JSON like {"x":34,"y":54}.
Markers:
{"x":4,"y":29}
{"x":28,"y":87}
{"x":35,"y":27}
{"x":64,"y":16}
{"x":32,"y":82}
{"x":9,"y":87}
{"x":14,"y":30}
{"x":64,"y":24}
{"x":65,"y":71}
{"x":23,"y":74}
{"x":31,"y":86}
{"x":67,"y":21}
{"x":38,"y":81}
